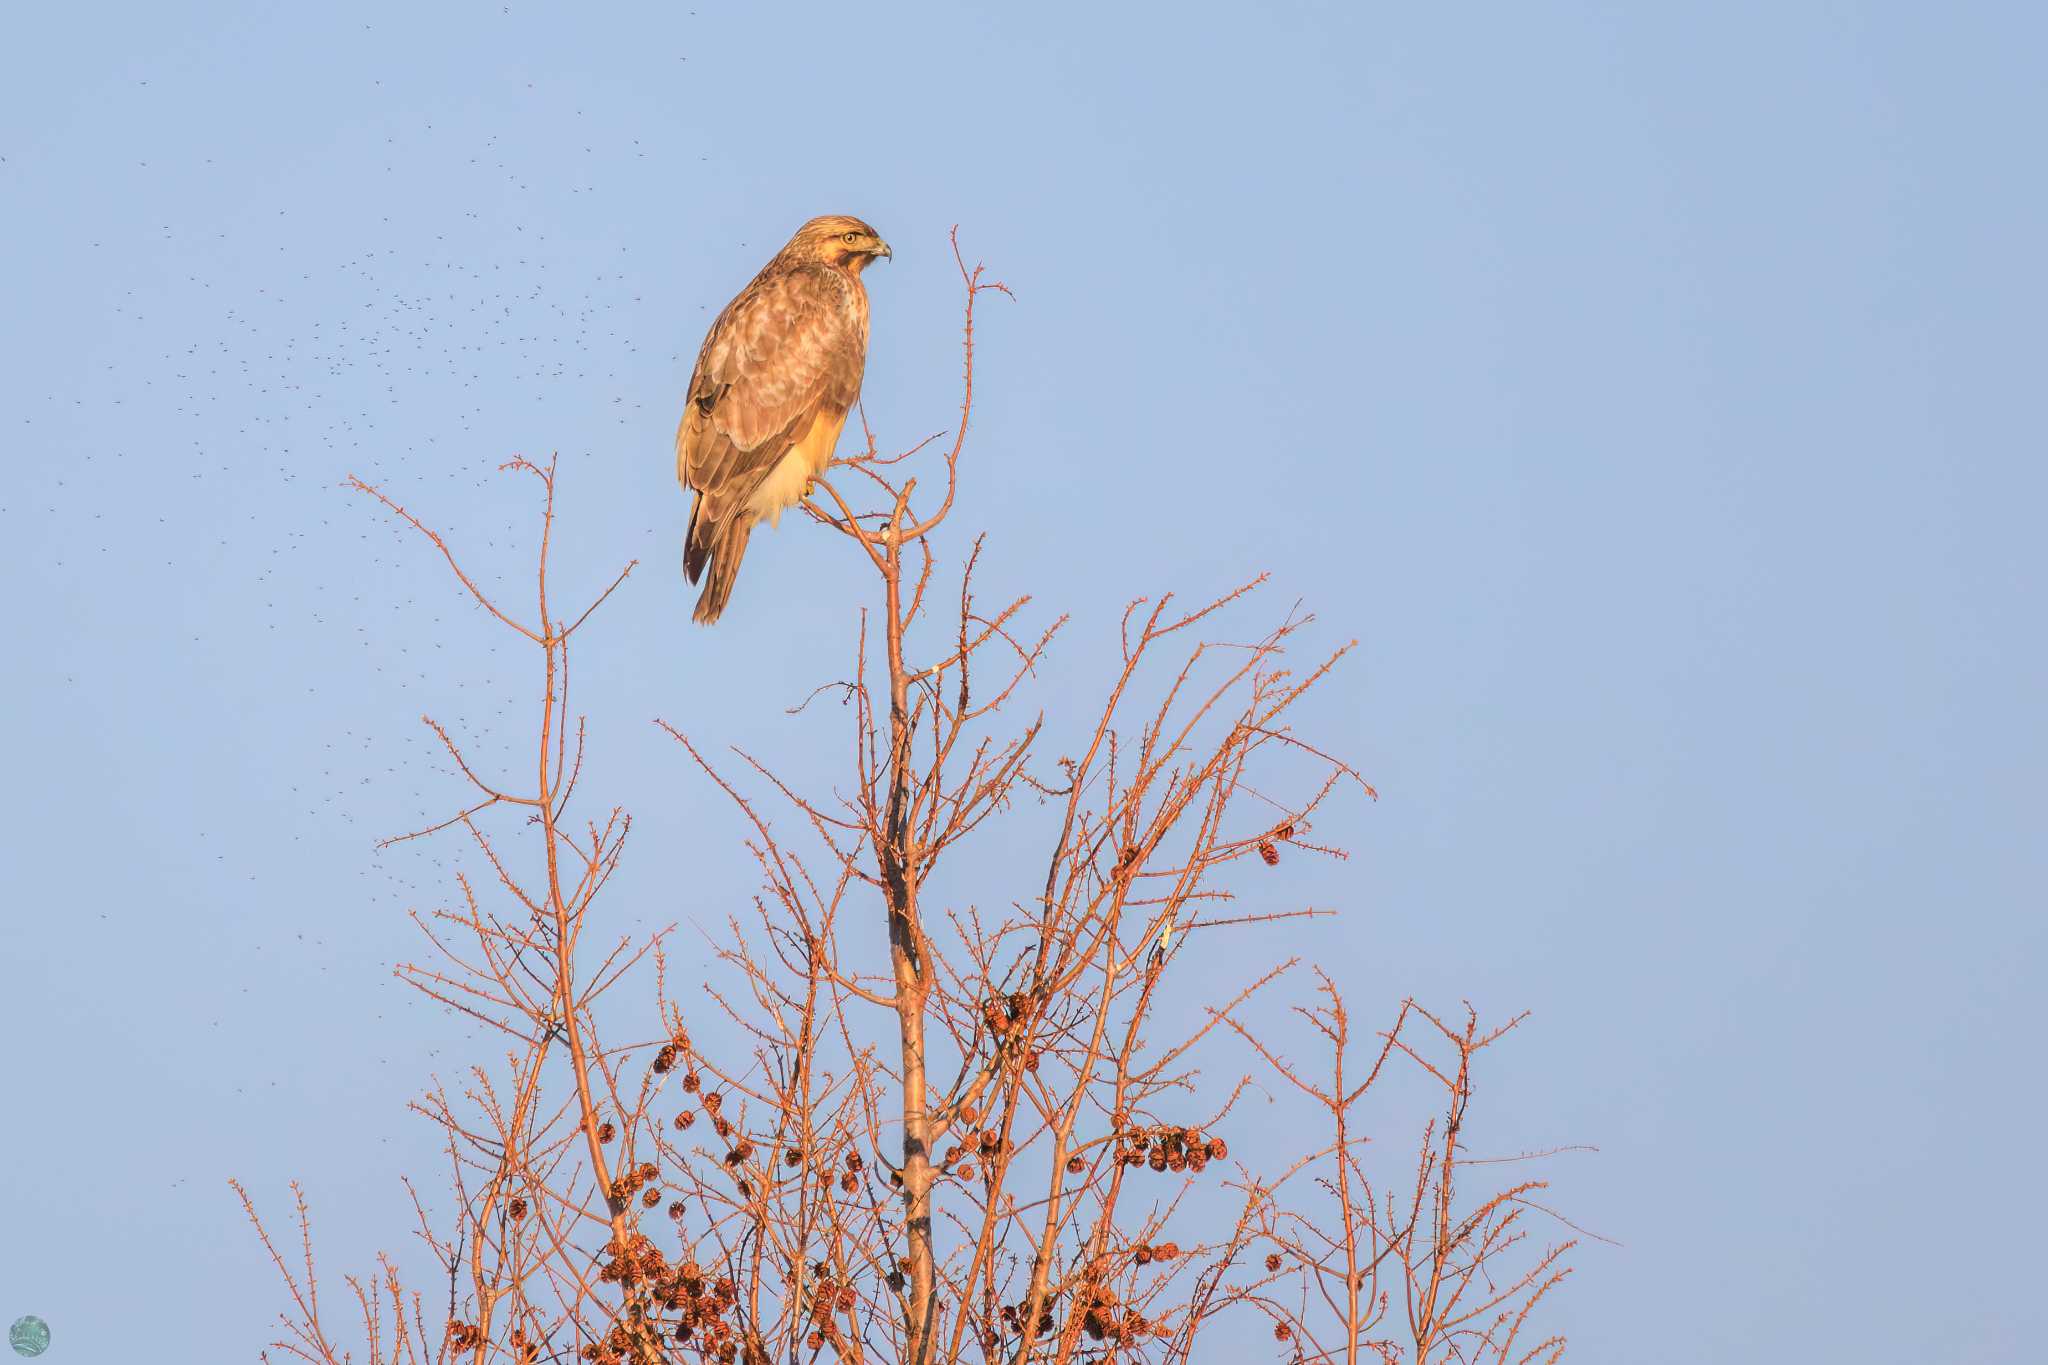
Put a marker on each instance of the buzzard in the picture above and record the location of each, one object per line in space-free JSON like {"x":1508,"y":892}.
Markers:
{"x":773,"y":383}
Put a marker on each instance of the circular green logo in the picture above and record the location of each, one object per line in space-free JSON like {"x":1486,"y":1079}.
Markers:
{"x":30,"y":1336}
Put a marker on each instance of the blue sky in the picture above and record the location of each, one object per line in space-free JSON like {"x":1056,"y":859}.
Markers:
{"x":1651,"y":390}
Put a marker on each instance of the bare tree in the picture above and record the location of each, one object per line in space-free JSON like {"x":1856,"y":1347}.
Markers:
{"x":948,"y":1132}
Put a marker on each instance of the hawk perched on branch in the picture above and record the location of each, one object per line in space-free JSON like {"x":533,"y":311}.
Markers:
{"x":778,"y":372}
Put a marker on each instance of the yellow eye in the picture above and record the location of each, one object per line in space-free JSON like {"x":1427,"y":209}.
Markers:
{"x":852,"y":236}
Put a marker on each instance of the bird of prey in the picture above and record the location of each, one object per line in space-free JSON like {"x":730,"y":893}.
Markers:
{"x":773,"y":383}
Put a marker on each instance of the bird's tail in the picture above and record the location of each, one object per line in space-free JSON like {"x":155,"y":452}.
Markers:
{"x":725,"y":555}
{"x":697,"y":541}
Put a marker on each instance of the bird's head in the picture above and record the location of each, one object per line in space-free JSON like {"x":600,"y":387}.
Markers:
{"x":838,"y":240}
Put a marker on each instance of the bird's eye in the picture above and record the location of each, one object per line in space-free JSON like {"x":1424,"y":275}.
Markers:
{"x":852,"y":236}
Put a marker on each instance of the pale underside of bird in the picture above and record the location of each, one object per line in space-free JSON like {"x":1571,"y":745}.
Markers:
{"x":778,"y":372}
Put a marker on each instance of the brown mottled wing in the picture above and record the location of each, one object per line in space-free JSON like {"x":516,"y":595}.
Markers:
{"x":791,"y":346}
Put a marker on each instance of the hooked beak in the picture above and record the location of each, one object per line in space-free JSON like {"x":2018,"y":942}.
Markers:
{"x":882,"y":249}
